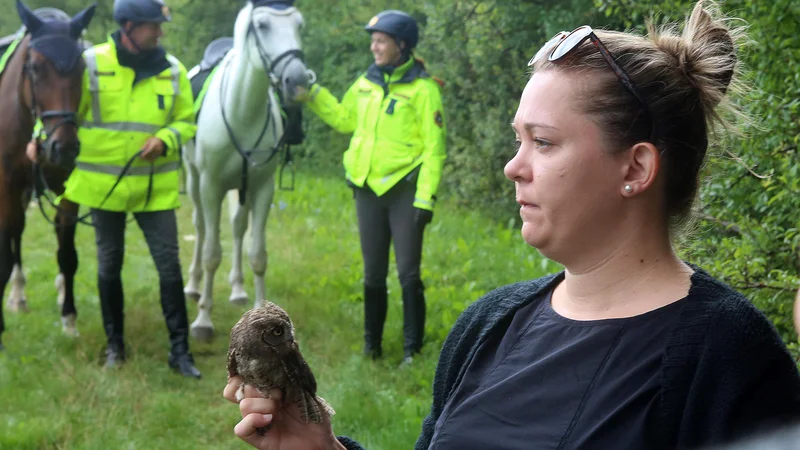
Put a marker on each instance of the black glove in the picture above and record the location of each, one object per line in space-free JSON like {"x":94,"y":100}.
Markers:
{"x":422,"y":217}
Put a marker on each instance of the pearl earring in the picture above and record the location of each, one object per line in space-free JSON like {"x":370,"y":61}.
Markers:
{"x":628,"y":188}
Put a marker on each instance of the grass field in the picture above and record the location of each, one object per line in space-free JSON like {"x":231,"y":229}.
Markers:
{"x":55,"y":395}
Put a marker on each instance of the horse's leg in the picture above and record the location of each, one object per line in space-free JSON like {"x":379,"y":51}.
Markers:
{"x":67,"y":257}
{"x":262,"y":201}
{"x":211,"y":199}
{"x":16,"y":296}
{"x":6,"y":263}
{"x":239,"y":224}
{"x":192,"y":289}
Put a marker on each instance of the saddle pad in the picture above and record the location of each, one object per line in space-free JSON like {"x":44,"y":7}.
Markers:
{"x":7,"y":47}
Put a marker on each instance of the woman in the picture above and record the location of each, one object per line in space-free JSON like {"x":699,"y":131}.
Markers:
{"x":629,"y":347}
{"x":394,"y":164}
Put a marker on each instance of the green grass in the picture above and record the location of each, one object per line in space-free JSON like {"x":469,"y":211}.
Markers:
{"x":55,"y":395}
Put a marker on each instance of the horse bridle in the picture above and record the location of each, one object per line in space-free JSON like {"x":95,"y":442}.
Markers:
{"x":269,"y":67}
{"x":66,"y":117}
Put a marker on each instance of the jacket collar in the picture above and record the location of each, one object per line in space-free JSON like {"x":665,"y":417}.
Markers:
{"x":406,"y":73}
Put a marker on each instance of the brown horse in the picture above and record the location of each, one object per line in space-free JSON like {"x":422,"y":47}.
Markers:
{"x":42,"y":81}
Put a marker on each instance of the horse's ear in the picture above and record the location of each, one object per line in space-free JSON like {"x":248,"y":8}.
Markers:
{"x":28,"y":18}
{"x":81,"y":21}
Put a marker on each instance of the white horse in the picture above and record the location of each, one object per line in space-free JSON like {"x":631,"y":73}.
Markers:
{"x":240,"y":115}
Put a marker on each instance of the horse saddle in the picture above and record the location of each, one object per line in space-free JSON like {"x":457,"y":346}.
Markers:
{"x":212,"y":56}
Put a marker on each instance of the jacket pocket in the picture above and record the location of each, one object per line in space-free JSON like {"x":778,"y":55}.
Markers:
{"x":164,"y":97}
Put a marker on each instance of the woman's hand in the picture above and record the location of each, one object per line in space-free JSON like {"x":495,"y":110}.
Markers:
{"x":287,"y":431}
{"x":30,"y":150}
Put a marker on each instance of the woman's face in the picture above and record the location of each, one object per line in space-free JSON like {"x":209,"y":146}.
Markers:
{"x":567,"y":184}
{"x":384,"y":49}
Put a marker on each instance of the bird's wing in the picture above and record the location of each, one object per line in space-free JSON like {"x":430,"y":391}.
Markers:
{"x":233,"y":367}
{"x":299,"y":373}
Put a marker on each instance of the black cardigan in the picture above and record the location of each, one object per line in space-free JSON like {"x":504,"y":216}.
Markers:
{"x":726,"y":372}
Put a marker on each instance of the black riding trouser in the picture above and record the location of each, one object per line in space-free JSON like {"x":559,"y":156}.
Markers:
{"x":382,"y":221}
{"x":160,"y":230}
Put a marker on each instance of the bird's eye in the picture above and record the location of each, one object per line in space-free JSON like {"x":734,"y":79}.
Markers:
{"x":277,"y":331}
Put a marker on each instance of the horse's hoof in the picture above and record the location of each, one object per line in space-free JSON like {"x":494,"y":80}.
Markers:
{"x":202,"y":333}
{"x":191,"y":294}
{"x":68,"y":326}
{"x":239,"y":299}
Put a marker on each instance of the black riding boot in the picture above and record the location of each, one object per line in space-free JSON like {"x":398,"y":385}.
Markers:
{"x":413,"y":318}
{"x":112,"y":308}
{"x":374,"y":318}
{"x":173,"y":305}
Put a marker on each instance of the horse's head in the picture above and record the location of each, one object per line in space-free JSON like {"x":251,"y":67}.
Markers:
{"x":53,"y":75}
{"x":271,"y":32}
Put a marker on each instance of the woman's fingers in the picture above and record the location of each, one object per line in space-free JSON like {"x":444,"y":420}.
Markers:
{"x":247,"y":428}
{"x":230,"y":389}
{"x":252,"y":405}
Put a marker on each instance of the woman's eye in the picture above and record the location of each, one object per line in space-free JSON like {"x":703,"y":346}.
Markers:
{"x":517,"y":145}
{"x":541,"y":143}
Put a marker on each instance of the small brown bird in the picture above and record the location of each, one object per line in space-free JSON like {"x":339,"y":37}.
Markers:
{"x":264,"y":352}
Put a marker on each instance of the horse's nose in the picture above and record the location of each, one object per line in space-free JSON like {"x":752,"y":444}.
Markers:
{"x":64,"y":153}
{"x":295,"y":81}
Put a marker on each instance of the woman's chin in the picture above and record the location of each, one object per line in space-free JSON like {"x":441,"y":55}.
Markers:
{"x":533,"y":235}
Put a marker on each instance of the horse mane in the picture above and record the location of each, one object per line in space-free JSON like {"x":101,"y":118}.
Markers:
{"x":241,"y":26}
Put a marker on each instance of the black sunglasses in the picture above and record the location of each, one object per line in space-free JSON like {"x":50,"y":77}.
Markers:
{"x":563,"y":43}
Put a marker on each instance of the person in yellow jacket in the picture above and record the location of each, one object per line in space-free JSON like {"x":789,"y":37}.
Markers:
{"x":394,"y":165}
{"x":136,"y":111}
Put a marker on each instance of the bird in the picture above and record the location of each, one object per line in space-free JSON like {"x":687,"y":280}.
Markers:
{"x":263,"y":350}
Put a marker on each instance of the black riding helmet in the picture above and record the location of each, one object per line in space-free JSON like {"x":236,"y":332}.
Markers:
{"x":397,"y":24}
{"x":141,"y":11}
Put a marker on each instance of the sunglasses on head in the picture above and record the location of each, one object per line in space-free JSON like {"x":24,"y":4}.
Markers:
{"x":563,"y":43}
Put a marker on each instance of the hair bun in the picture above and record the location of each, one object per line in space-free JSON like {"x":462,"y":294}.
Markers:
{"x":709,"y":57}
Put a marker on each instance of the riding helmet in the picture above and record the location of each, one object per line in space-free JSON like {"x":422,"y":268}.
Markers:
{"x":398,"y":24}
{"x":141,"y":11}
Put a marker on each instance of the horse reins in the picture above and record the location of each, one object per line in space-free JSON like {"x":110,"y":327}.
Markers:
{"x":82,"y":219}
{"x":246,"y":155}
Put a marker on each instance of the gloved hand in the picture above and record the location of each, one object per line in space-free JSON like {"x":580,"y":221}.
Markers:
{"x":422,"y":217}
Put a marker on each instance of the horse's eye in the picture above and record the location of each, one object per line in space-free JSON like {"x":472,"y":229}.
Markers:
{"x":277,"y":331}
{"x":263,"y":26}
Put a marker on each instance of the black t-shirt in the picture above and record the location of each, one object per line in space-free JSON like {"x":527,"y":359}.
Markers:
{"x":550,"y":382}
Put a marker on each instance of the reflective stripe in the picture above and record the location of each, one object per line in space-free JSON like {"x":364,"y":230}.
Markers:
{"x":117,"y":170}
{"x":177,"y":136}
{"x":175,"y":71}
{"x":424,"y":202}
{"x":124,"y":126}
{"x":90,"y":56}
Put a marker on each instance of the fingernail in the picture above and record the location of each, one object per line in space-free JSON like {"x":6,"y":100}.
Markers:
{"x":268,"y":417}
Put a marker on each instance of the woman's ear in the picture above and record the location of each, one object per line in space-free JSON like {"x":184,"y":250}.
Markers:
{"x":643,"y":162}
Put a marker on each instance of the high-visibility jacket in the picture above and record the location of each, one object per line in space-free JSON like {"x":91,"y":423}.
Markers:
{"x":116,"y":119}
{"x":397,"y":124}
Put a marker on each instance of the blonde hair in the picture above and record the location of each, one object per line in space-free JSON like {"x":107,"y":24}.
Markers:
{"x":685,"y":80}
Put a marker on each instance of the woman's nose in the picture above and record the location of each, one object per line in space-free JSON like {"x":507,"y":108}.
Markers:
{"x":517,"y":169}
